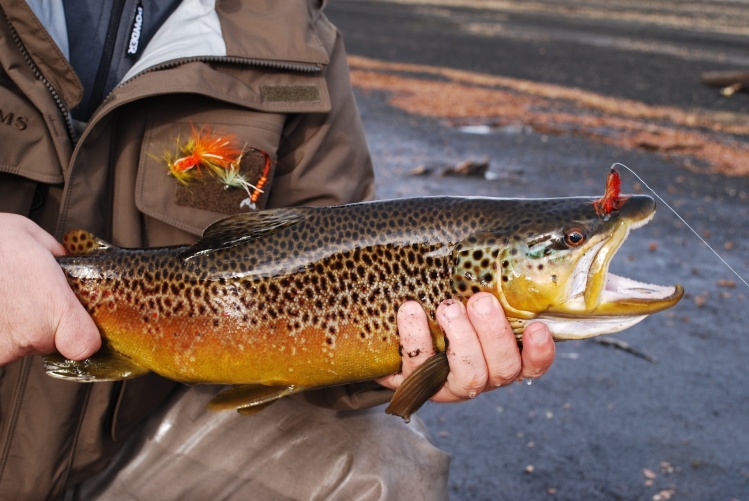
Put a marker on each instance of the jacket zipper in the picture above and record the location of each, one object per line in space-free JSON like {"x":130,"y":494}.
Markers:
{"x":106,"y":57}
{"x":11,"y":420}
{"x":279,"y":65}
{"x":263,"y":63}
{"x":70,"y":128}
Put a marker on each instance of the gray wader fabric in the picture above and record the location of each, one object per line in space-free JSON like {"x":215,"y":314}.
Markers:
{"x":291,"y":450}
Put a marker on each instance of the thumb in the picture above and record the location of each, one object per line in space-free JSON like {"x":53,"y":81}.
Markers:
{"x":77,"y":336}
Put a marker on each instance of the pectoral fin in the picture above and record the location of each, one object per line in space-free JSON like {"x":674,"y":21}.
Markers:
{"x":420,"y":386}
{"x":104,"y":365}
{"x":250,"y":398}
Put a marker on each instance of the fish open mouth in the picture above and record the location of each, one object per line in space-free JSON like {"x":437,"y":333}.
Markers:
{"x":601,"y":302}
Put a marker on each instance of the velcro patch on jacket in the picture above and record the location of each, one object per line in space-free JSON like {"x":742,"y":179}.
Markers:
{"x":290,"y":93}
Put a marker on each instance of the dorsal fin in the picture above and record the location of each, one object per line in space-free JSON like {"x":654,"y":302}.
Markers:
{"x":241,"y":228}
{"x":82,"y":243}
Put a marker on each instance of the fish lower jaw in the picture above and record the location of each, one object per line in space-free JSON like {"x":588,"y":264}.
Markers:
{"x":623,"y":302}
{"x":570,"y":328}
{"x":617,"y":295}
{"x":626,"y":297}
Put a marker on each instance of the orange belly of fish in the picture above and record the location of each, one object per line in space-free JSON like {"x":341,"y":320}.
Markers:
{"x":197,"y":350}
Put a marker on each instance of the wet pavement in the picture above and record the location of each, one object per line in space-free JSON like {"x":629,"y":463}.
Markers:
{"x":610,"y":87}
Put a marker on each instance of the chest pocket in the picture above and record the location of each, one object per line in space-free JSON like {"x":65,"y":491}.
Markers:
{"x":194,"y":171}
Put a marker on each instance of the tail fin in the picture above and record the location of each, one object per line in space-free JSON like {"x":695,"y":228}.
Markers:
{"x":104,"y":365}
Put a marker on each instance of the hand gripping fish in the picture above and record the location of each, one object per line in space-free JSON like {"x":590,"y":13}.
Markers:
{"x":286,"y":300}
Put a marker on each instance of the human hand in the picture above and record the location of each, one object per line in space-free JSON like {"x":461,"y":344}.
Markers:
{"x":482,"y":349}
{"x":38,"y":311}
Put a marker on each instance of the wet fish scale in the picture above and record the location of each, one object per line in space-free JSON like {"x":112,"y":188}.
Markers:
{"x":326,"y":293}
{"x":307,"y":297}
{"x":329,"y":284}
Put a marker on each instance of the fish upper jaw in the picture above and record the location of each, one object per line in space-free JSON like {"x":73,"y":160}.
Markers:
{"x":601,"y":302}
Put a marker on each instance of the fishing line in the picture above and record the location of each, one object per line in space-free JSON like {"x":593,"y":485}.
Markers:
{"x":683,"y":221}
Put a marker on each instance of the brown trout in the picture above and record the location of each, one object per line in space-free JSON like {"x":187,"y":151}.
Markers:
{"x":285,"y":300}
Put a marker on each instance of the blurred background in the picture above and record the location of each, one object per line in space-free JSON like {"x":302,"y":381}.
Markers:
{"x":538,"y":99}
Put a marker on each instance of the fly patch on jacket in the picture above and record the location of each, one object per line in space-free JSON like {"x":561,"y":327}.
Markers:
{"x":215,"y":172}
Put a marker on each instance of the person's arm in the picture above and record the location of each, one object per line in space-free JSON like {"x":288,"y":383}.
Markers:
{"x":39,"y":313}
{"x":482,"y":349}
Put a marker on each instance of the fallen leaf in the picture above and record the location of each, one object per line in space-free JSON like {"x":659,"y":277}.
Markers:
{"x":664,"y":495}
{"x":469,"y":168}
{"x":666,"y":467}
{"x":421,"y":170}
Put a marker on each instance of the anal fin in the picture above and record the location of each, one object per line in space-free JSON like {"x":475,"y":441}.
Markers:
{"x":250,"y":398}
{"x":420,"y":386}
{"x":104,"y":365}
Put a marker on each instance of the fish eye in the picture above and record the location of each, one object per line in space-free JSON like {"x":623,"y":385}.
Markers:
{"x":574,"y":237}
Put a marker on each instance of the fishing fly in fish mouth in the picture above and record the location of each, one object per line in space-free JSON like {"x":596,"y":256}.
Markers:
{"x":282,"y":301}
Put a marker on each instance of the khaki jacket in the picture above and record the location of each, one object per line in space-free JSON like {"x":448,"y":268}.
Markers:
{"x":271,"y":73}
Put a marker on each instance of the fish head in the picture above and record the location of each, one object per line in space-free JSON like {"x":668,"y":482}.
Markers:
{"x":552,"y":265}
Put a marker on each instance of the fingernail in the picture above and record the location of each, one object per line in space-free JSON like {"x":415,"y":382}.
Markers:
{"x":452,"y":310}
{"x":538,"y":333}
{"x":484,"y":306}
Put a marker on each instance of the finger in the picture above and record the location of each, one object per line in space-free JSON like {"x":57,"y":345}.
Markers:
{"x":538,"y":350}
{"x":416,"y":343}
{"x":76,"y":335}
{"x":468,"y":373}
{"x":498,"y":341}
{"x":77,"y":338}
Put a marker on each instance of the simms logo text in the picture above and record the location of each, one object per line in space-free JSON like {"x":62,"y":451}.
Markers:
{"x":20,"y":122}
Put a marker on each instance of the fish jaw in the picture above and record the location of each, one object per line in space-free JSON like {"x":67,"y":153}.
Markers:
{"x":597,"y":291}
{"x":624,"y":303}
{"x":591,"y":301}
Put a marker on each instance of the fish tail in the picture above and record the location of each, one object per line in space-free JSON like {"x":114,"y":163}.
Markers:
{"x":104,"y":365}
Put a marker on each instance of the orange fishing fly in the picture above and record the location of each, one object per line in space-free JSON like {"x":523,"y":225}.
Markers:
{"x":203,"y":150}
{"x":263,"y":179}
{"x":611,"y":199}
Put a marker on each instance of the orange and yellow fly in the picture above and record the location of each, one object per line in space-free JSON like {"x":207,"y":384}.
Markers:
{"x":218,"y":156}
{"x":203,"y":151}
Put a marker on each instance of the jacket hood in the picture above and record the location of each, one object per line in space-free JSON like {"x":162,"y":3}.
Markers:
{"x":219,"y":28}
{"x":197,"y":29}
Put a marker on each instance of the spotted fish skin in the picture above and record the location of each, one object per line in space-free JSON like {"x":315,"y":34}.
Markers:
{"x":307,"y":297}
